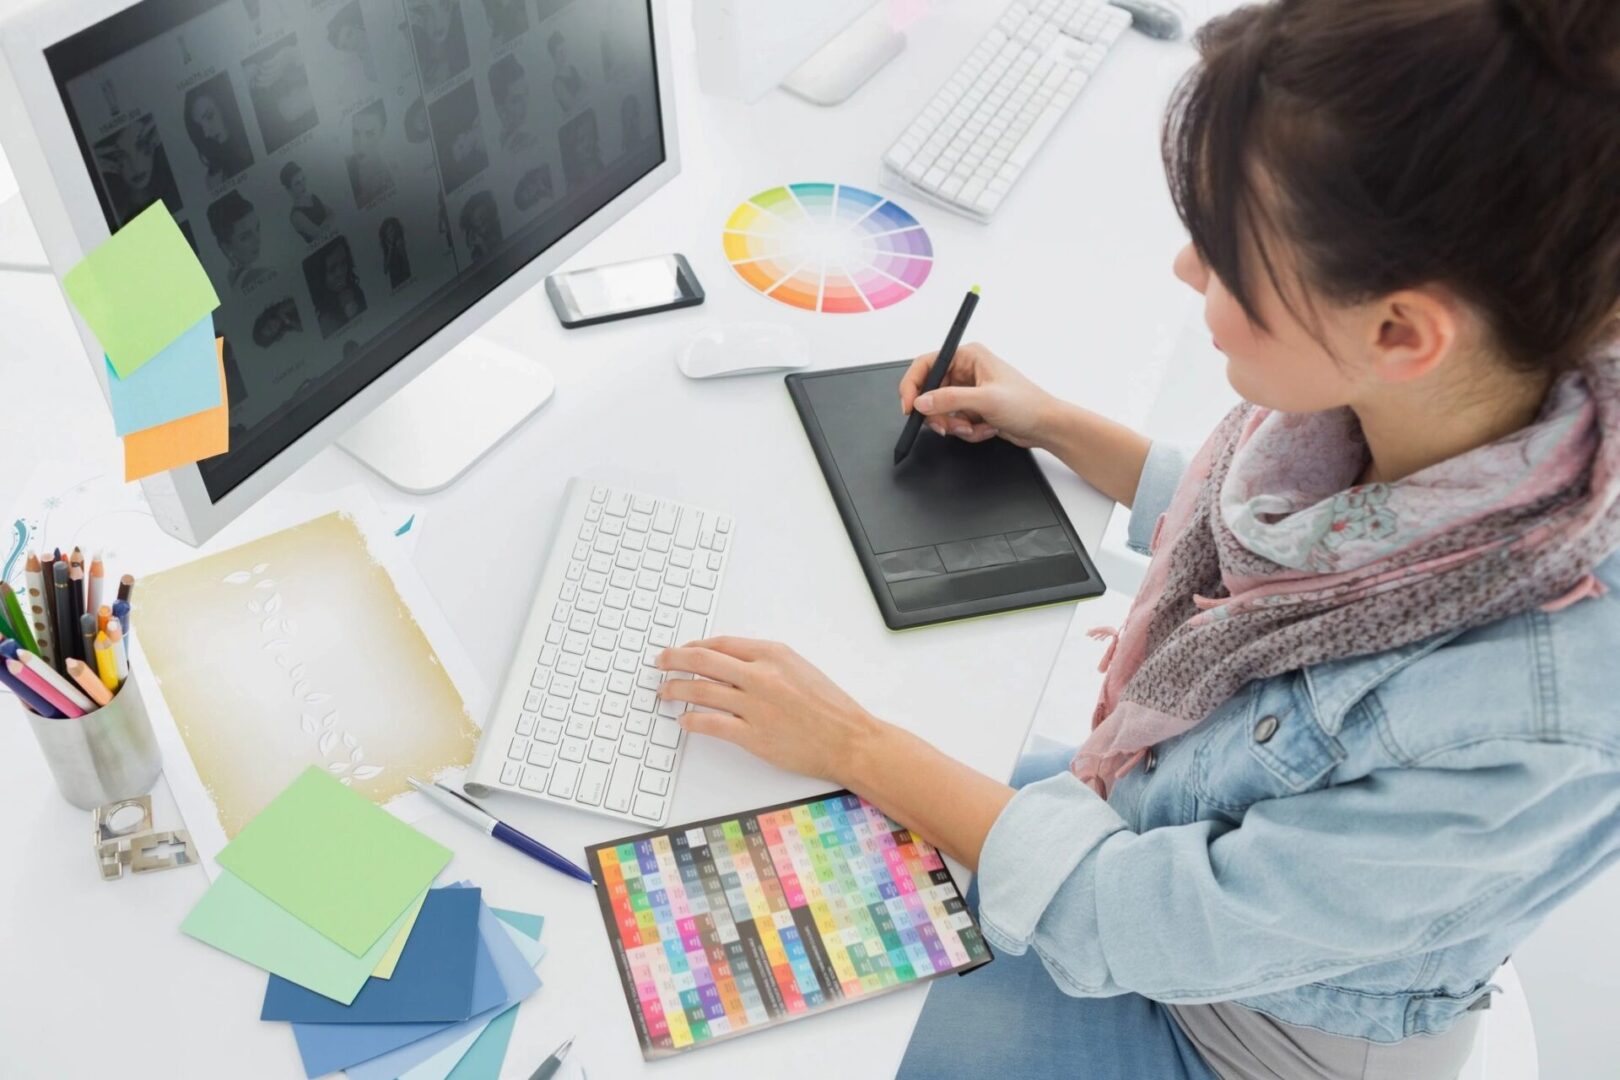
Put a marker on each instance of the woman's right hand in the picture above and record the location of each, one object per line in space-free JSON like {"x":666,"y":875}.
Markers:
{"x":981,"y":398}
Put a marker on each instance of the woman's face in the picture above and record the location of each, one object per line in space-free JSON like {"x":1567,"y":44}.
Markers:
{"x":432,"y":17}
{"x":1284,"y":367}
{"x":134,"y":155}
{"x":337,"y":270}
{"x":296,"y":186}
{"x":465,"y":146}
{"x":367,"y":134}
{"x":205,"y":114}
{"x":242,"y":245}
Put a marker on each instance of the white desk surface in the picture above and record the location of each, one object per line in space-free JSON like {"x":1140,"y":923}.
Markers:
{"x":1077,"y":290}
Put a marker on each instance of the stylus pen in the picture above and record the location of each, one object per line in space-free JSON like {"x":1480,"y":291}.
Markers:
{"x":936,"y":374}
{"x":475,"y":815}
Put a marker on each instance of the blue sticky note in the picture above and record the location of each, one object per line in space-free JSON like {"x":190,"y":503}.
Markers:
{"x":435,"y":980}
{"x":503,"y":977}
{"x":181,"y":380}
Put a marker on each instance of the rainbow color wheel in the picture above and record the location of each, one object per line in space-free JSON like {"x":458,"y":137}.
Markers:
{"x":828,"y":247}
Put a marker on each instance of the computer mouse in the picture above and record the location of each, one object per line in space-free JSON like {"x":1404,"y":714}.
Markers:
{"x":1155,"y":18}
{"x":742,"y":349}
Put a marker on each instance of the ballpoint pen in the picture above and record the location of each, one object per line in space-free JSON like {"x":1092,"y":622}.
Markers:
{"x":475,"y":815}
{"x":548,"y":1068}
{"x":936,"y":374}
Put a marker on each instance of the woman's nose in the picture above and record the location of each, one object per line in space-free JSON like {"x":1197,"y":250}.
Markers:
{"x":1191,"y":269}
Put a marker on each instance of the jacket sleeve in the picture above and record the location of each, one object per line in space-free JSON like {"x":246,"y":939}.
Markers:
{"x":1401,"y":861}
{"x":1161,"y":472}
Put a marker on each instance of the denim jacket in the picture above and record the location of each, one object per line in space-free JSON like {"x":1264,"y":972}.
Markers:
{"x":1354,"y":846}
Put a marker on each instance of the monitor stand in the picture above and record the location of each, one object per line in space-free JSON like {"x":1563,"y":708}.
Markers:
{"x":441,"y":423}
{"x":841,"y":66}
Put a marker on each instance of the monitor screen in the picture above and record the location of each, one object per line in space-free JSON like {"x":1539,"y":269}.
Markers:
{"x":355,"y":174}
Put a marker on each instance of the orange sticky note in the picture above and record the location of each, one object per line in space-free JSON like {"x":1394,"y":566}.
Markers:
{"x":183,"y":441}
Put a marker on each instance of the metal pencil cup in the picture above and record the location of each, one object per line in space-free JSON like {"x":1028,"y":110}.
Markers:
{"x":103,"y":756}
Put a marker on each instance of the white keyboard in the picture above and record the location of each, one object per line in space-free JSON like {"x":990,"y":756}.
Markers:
{"x":982,"y":129}
{"x":578,"y":720}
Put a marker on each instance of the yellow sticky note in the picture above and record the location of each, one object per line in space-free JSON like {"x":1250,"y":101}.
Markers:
{"x":183,"y":441}
{"x":385,"y":966}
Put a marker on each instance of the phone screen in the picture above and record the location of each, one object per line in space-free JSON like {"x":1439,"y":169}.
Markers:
{"x":627,"y":286}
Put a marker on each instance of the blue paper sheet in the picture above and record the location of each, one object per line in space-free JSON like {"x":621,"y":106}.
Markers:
{"x":503,"y":976}
{"x":432,"y":982}
{"x":181,"y":380}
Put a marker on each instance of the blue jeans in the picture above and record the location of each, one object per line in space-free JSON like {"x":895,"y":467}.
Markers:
{"x":1008,"y":1018}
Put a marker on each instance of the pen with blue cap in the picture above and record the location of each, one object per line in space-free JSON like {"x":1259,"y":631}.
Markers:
{"x":475,"y":815}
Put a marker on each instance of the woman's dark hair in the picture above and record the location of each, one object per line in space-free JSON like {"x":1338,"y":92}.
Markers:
{"x":288,"y":171}
{"x":223,"y":160}
{"x":223,"y":214}
{"x":1473,"y":144}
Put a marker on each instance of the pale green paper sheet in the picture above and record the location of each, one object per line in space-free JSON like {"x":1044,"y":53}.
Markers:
{"x":385,"y":966}
{"x":234,"y":918}
{"x":335,"y":860}
{"x":141,"y":289}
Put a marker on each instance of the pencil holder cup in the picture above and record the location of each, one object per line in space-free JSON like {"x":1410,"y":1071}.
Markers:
{"x":102,"y":756}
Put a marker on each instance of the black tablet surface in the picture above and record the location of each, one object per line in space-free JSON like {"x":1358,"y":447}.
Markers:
{"x":957,"y":529}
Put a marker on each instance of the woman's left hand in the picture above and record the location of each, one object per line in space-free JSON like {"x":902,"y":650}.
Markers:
{"x":782,"y":709}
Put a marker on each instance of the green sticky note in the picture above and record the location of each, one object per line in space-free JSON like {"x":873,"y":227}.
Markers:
{"x":141,"y":289}
{"x":234,"y":918}
{"x":334,"y":860}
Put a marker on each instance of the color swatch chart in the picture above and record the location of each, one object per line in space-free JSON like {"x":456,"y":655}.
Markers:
{"x":828,"y":247}
{"x":748,"y":921}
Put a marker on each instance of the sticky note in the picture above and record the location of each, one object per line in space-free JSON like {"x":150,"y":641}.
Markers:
{"x":236,"y":919}
{"x":181,"y":380}
{"x":483,"y":1061}
{"x":336,"y":861}
{"x":383,"y":1051}
{"x":140,"y":289}
{"x":434,"y":980}
{"x":385,"y":966}
{"x":183,"y":441}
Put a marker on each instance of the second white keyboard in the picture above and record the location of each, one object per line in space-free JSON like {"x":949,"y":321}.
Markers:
{"x":578,"y":720}
{"x":972,"y":142}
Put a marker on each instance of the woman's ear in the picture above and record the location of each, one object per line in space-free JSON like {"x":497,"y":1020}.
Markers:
{"x":1413,"y":332}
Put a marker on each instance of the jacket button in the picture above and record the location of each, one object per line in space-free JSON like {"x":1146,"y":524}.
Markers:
{"x":1151,"y":761}
{"x":1265,"y":728}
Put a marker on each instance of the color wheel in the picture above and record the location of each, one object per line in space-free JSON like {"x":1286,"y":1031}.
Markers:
{"x":828,"y":247}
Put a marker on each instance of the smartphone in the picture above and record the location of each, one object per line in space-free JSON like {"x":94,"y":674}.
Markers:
{"x":623,"y":290}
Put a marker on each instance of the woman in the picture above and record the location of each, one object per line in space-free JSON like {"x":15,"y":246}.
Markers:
{"x":308,"y":214}
{"x":334,"y":287}
{"x":396,"y":261}
{"x":1357,"y":735}
{"x":370,"y":178}
{"x":235,"y":225}
{"x":214,"y":125}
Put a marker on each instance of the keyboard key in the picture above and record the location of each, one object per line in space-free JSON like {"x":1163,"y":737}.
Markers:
{"x":648,"y":679}
{"x":519,"y":747}
{"x":627,"y":560}
{"x":590,"y":603}
{"x":620,"y":683}
{"x":660,"y":758}
{"x":661,"y":636}
{"x":592,"y":784}
{"x":570,"y":665}
{"x":587,"y":531}
{"x":531,"y":701}
{"x":542,"y":673}
{"x":608,"y":726}
{"x":599,"y":494}
{"x":643,"y":600}
{"x":632,"y":746}
{"x":699,"y":600}
{"x":542,"y":754}
{"x":622,"y":578}
{"x":580,"y":623}
{"x":615,"y":705}
{"x":654,"y":561}
{"x":587,"y":704}
{"x":649,"y":657}
{"x":599,"y":660}
{"x":649,"y":580}
{"x":593,"y":682}
{"x":602,"y":750}
{"x":576,"y":570}
{"x":561,"y":687}
{"x":625,"y":661}
{"x":579,"y":726}
{"x":633,"y":640}
{"x":605,"y":544}
{"x":609,"y":618}
{"x":549,"y":730}
{"x":666,"y":732}
{"x":616,"y":600}
{"x":704,"y":578}
{"x":716,"y":561}
{"x":659,"y":542}
{"x":636,"y":542}
{"x":554,"y":708}
{"x":640,"y":522}
{"x":686,"y":532}
{"x":680,"y":558}
{"x":525,"y":723}
{"x":594,"y":583}
{"x":599,"y":563}
{"x":604,"y":639}
{"x":657,"y":783}
{"x":669,"y":595}
{"x":510,"y":772}
{"x":639,"y":722}
{"x":554,"y":636}
{"x":563,"y":780}
{"x":573,"y":749}
{"x":706,"y":538}
{"x":593,"y":512}
{"x":644,"y":700}
{"x":666,"y":616}
{"x":723,"y":525}
{"x":612,"y":526}
{"x":534,"y":778}
{"x":671,"y":709}
{"x":621,"y":787}
{"x":642,"y":504}
{"x":637,"y":620}
{"x":678,"y":576}
{"x":692,"y":627}
{"x":648,"y":807}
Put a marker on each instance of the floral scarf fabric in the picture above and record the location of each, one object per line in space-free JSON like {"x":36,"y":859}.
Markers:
{"x":1272,"y":557}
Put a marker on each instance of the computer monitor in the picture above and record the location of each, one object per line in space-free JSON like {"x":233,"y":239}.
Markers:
{"x":365,"y":181}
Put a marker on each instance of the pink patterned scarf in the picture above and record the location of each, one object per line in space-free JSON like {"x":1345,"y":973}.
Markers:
{"x":1271,"y":557}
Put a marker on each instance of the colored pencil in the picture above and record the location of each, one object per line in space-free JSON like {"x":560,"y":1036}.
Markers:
{"x":28,"y":697}
{"x":6,"y":629}
{"x":87,"y":633}
{"x":44,"y":689}
{"x":125,"y":584}
{"x":115,"y":637}
{"x":89,"y":682}
{"x":38,"y":609}
{"x":103,"y":616}
{"x":48,"y":570}
{"x":106,"y":667}
{"x":66,"y":634}
{"x":76,"y":582}
{"x":17,"y":617}
{"x":96,"y":579}
{"x":58,"y":682}
{"x":120,"y":612}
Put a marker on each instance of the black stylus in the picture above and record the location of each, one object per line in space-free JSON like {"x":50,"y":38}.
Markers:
{"x":936,"y":374}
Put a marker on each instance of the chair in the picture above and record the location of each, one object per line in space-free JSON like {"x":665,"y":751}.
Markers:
{"x":1505,"y":1048}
